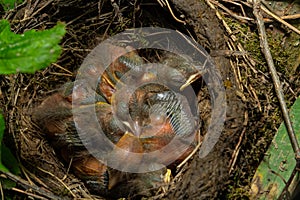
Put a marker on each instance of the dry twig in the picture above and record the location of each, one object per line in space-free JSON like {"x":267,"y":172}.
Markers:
{"x":27,"y":185}
{"x":236,"y":152}
{"x":29,"y":194}
{"x":295,"y":16}
{"x":165,"y":3}
{"x":243,"y":19}
{"x":59,"y":180}
{"x":192,"y":153}
{"x":267,"y":11}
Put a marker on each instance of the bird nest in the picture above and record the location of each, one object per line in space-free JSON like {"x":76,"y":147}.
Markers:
{"x":46,"y":174}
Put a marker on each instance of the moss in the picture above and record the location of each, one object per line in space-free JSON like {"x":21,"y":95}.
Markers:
{"x":284,"y":50}
{"x":249,"y":40}
{"x":284,"y":47}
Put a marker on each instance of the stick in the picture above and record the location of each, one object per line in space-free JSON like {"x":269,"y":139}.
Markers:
{"x":266,"y":51}
{"x":29,"y":194}
{"x":165,"y":3}
{"x":27,"y":185}
{"x":295,"y":16}
{"x":191,"y":154}
{"x":266,"y":10}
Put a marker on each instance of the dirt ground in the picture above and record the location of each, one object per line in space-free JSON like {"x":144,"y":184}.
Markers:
{"x":226,"y":29}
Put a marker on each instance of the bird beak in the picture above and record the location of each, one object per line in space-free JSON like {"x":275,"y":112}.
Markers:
{"x":134,"y":127}
{"x":190,"y":80}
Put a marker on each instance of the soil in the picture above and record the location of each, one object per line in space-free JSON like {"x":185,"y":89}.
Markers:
{"x":252,"y":112}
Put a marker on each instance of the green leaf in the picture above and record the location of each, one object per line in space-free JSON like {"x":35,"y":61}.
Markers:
{"x":2,"y":127}
{"x":9,"y":160}
{"x":9,"y":4}
{"x":30,"y":51}
{"x":279,"y":162}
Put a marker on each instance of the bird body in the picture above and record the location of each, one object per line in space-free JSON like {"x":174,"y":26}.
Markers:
{"x":137,"y":120}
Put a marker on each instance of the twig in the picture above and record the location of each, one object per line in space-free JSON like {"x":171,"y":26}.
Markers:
{"x":192,"y":153}
{"x":29,"y":194}
{"x":29,"y":12}
{"x":237,"y":4}
{"x":233,"y":37}
{"x":295,"y":16}
{"x":47,"y":172}
{"x":41,"y":8}
{"x":240,"y":18}
{"x":266,"y":10}
{"x":164,"y":3}
{"x":37,"y":180}
{"x":60,"y":74}
{"x":1,"y":190}
{"x":252,"y":91}
{"x":68,"y":169}
{"x":266,"y":51}
{"x":27,"y":185}
{"x":60,"y":67}
{"x":288,"y":183}
{"x":236,"y":152}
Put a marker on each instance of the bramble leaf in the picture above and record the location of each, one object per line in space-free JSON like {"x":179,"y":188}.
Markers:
{"x":2,"y":127}
{"x":8,"y":162}
{"x":30,"y":51}
{"x":9,"y":4}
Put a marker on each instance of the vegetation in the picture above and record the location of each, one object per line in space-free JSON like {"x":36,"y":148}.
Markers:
{"x":25,"y":53}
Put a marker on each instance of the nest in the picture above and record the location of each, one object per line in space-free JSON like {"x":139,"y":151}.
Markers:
{"x":89,"y":23}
